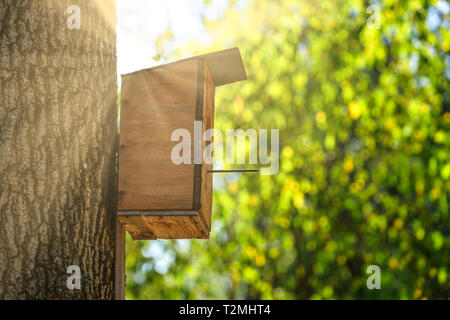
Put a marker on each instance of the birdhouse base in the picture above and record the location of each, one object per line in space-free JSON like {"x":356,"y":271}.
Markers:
{"x":152,"y":225}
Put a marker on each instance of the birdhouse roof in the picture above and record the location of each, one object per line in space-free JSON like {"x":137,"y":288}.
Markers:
{"x":226,"y":66}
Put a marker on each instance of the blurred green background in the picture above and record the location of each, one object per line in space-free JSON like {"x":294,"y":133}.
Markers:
{"x":364,"y":122}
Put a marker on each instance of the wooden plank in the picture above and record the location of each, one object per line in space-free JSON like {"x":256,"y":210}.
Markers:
{"x":199,"y":117}
{"x":168,"y":96}
{"x":150,"y":123}
{"x":137,"y":228}
{"x":154,"y":104}
{"x":158,"y":199}
{"x":156,"y":186}
{"x":226,"y":66}
{"x":178,"y":72}
{"x":119,"y":265}
{"x":158,"y":213}
{"x":208,"y":123}
{"x":150,"y":227}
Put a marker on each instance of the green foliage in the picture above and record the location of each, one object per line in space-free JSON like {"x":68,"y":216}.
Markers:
{"x":364,"y":175}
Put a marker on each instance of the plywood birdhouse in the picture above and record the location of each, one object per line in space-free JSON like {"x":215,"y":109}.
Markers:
{"x":157,"y":198}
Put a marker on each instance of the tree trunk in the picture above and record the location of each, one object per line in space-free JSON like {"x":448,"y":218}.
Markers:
{"x":58,"y":145}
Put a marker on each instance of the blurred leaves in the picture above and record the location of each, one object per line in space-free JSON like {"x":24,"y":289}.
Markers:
{"x":160,"y":44}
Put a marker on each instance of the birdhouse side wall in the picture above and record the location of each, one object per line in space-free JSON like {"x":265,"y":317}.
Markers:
{"x":204,"y":202}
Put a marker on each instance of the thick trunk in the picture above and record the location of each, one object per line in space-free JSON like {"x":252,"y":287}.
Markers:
{"x":58,"y":144}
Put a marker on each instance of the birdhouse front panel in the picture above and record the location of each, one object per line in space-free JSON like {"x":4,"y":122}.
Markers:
{"x":155,"y":103}
{"x":157,"y":198}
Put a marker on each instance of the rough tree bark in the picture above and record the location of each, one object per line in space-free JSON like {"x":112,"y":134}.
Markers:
{"x":58,"y":144}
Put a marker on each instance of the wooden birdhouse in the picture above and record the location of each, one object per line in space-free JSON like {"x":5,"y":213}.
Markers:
{"x":159,"y":199}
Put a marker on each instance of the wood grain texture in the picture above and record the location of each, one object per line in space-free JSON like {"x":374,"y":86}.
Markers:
{"x":58,"y":145}
{"x":167,"y":226}
{"x":154,"y":104}
{"x":199,"y":102}
{"x":119,"y":265}
{"x":205,"y":210}
{"x":226,"y":66}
